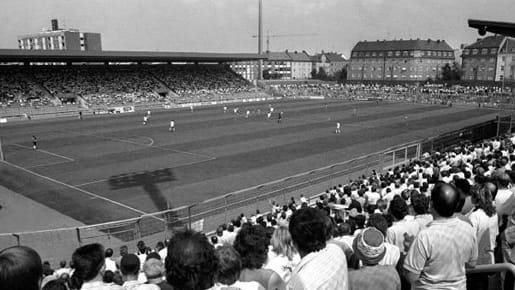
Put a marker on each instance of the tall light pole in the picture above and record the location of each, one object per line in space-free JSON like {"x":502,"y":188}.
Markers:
{"x":260,"y":40}
{"x":505,"y":66}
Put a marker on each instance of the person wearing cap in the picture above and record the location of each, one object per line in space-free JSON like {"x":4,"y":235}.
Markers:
{"x":438,"y":255}
{"x":130,"y":268}
{"x":369,"y":248}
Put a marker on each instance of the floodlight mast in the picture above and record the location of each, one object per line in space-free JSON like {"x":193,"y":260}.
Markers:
{"x":260,"y":40}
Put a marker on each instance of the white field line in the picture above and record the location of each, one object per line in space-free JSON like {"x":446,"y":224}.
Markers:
{"x":93,"y":195}
{"x":44,"y":151}
{"x":47,"y":164}
{"x":151,"y":144}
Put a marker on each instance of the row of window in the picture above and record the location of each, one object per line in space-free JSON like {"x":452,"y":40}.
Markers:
{"x":483,"y":51}
{"x":394,"y":68}
{"x":377,"y":61}
{"x":380,"y":77}
{"x":415,"y":53}
{"x":479,"y":78}
{"x":44,"y":43}
{"x":475,"y":51}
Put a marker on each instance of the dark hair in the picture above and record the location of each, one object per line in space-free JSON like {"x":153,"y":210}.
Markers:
{"x":445,"y":199}
{"x":252,"y":244}
{"x":360,"y":221}
{"x":160,"y":245}
{"x":57,"y":284}
{"x":308,"y":230}
{"x":191,"y":262}
{"x":109,"y":253}
{"x":398,"y":207}
{"x":142,"y":248}
{"x":87,"y":262}
{"x":108,"y":276}
{"x":229,"y":265}
{"x":379,"y":222}
{"x":463,"y":185}
{"x":128,"y":267}
{"x":483,"y":199}
{"x":420,"y":203}
{"x":20,"y":269}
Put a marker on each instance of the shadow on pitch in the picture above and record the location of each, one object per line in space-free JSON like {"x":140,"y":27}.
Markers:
{"x":148,"y":181}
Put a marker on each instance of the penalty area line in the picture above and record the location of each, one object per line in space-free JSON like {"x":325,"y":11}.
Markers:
{"x":44,"y":151}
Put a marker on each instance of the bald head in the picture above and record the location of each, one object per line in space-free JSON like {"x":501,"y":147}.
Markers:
{"x":445,"y":199}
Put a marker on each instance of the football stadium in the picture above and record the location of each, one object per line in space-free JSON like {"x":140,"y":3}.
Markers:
{"x":172,"y":170}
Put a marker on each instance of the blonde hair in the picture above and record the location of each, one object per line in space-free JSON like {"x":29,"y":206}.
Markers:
{"x":282,"y":244}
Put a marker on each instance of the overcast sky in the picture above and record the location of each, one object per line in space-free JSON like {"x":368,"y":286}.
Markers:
{"x":228,"y":25}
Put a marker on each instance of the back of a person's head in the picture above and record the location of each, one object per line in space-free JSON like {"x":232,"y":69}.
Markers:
{"x":398,"y":207}
{"x":87,"y":262}
{"x":109,"y":253}
{"x":420,"y":203}
{"x":308,"y":230}
{"x":130,"y":264}
{"x":281,"y":242}
{"x":20,"y":269}
{"x":153,"y":268}
{"x":229,"y":265}
{"x":379,"y":222}
{"x":252,"y":244}
{"x":56,"y":284}
{"x":444,"y":198}
{"x":482,"y":198}
{"x":108,"y":276}
{"x":504,"y":180}
{"x":191,"y":261}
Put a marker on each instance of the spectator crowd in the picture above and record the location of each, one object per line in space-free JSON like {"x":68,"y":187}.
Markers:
{"x":428,"y":94}
{"x":417,"y":226}
{"x":104,"y":85}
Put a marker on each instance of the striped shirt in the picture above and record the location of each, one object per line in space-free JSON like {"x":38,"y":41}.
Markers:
{"x":322,"y":270}
{"x":439,"y":254}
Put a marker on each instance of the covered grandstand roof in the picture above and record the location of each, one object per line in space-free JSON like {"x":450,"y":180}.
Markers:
{"x":17,"y":55}
{"x":504,"y":28}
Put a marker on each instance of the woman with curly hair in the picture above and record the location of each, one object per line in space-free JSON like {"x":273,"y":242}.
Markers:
{"x":282,"y":255}
{"x":484,"y":221}
{"x":252,"y":245}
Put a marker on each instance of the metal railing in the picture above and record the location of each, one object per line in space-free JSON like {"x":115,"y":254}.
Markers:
{"x":492,"y":269}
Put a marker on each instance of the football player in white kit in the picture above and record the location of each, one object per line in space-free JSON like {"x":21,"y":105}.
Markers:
{"x":172,"y":126}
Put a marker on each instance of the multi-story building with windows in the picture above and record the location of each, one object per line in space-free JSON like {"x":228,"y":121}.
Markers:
{"x":331,"y":62}
{"x":278,"y":65}
{"x":506,"y":61}
{"x":399,"y":60}
{"x":489,"y":59}
{"x":60,"y":39}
